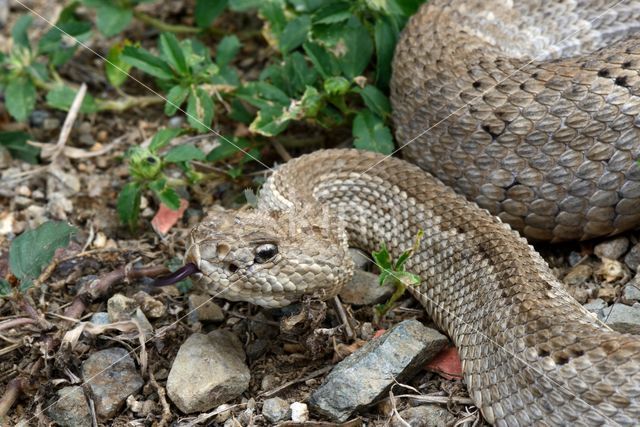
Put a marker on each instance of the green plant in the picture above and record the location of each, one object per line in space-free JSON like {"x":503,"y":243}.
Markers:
{"x":33,"y":250}
{"x":329,"y":67}
{"x":395,"y":273}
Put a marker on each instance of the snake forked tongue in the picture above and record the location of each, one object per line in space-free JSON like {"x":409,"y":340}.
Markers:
{"x":178,"y":275}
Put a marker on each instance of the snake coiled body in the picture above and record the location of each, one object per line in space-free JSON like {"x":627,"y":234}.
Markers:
{"x":551,"y":151}
{"x":529,"y":108}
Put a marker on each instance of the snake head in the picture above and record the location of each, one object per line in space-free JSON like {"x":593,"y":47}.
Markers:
{"x":269,"y":258}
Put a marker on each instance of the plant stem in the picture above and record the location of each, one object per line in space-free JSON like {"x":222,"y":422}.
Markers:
{"x":163,"y":26}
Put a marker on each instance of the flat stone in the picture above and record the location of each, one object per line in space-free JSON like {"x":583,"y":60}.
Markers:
{"x":208,"y":370}
{"x":612,"y":249}
{"x":632,"y":259}
{"x":423,"y":416}
{"x":367,"y":374}
{"x":276,"y":410}
{"x":364,"y":289}
{"x":360,"y":258}
{"x":203,"y":309}
{"x":112,"y":376}
{"x":622,"y":318}
{"x":70,"y":408}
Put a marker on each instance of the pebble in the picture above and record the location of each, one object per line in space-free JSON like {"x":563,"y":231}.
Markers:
{"x":100,"y":241}
{"x":299,"y":412}
{"x":150,"y":306}
{"x":23,"y":190}
{"x":596,"y":306}
{"x":368,"y":373}
{"x":622,"y":318}
{"x":112,"y":376}
{"x":70,"y":408}
{"x":21,"y":202}
{"x":632,"y":259}
{"x":578,"y":275}
{"x":612,"y":249}
{"x":121,"y":308}
{"x":59,"y":206}
{"x":423,"y":416}
{"x":208,"y":370}
{"x":86,"y":139}
{"x":202,"y":309}
{"x":100,"y":318}
{"x":51,"y":123}
{"x":175,"y":122}
{"x":37,"y":118}
{"x":364,"y":289}
{"x":631,"y":291}
{"x":276,"y":410}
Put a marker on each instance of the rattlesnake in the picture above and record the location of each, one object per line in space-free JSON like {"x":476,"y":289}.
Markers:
{"x":531,"y":354}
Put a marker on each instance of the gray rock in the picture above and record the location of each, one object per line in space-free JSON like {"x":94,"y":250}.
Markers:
{"x":51,"y":123}
{"x":276,"y":410}
{"x":622,"y":318}
{"x":364,"y":289}
{"x":121,"y":308}
{"x":209,"y":370}
{"x":150,"y":306}
{"x":632,"y":259}
{"x":70,"y":408}
{"x":596,"y":306}
{"x":612,"y":249}
{"x":360,"y":258}
{"x":100,"y":318}
{"x":631,"y":291}
{"x":203,"y":309}
{"x":367,"y":374}
{"x":112,"y":377}
{"x":423,"y":416}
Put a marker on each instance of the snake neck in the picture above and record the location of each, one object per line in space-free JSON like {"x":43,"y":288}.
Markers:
{"x":514,"y":325}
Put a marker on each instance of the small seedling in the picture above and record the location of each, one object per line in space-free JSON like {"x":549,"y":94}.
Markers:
{"x":395,"y":273}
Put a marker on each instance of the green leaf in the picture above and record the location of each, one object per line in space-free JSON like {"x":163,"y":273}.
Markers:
{"x":172,"y":52}
{"x":128,"y":205}
{"x":208,"y":10}
{"x":19,"y":31}
{"x":167,"y":195}
{"x":116,"y":69}
{"x":244,"y":5}
{"x":385,"y":36}
{"x":57,"y":44}
{"x":322,"y":60}
{"x":112,"y":19}
{"x":376,"y":101}
{"x":371,"y":133}
{"x":332,"y":13}
{"x":143,"y":164}
{"x":20,"y":97}
{"x":336,"y":85}
{"x":61,"y":97}
{"x":353,"y":49}
{"x":295,"y":33}
{"x":200,"y":110}
{"x":175,"y":98}
{"x":228,"y":147}
{"x":227,"y":49}
{"x":5,"y":288}
{"x":16,"y":143}
{"x":184,"y":153}
{"x":162,"y":138}
{"x":33,"y":250}
{"x":147,"y":62}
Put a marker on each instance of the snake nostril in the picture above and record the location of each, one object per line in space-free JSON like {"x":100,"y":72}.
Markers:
{"x":232,"y":267}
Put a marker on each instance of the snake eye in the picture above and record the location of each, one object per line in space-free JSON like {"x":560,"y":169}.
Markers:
{"x":265,"y":253}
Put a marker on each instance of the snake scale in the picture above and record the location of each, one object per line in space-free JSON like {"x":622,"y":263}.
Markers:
{"x":550,"y":150}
